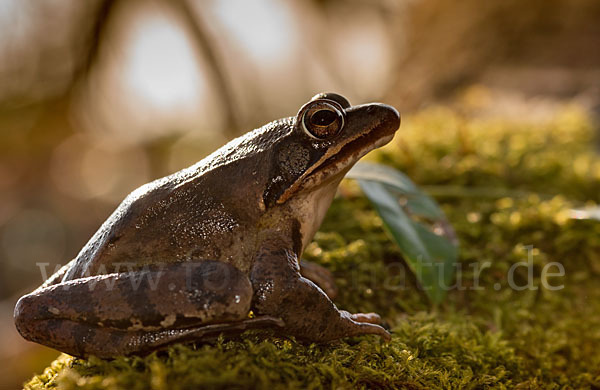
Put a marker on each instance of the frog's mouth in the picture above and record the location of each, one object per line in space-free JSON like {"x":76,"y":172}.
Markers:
{"x":336,"y":166}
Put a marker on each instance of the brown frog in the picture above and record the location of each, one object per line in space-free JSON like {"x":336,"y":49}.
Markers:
{"x":191,"y":255}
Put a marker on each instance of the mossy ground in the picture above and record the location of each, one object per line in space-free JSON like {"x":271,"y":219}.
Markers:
{"x":503,"y":185}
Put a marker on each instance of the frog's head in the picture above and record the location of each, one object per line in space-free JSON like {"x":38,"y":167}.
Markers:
{"x":327,"y":138}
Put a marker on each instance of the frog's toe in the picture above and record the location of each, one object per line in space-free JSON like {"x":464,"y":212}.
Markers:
{"x":371,"y":318}
{"x":368,"y":328}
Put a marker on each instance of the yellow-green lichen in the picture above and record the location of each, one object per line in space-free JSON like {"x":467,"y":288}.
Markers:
{"x":506,"y":187}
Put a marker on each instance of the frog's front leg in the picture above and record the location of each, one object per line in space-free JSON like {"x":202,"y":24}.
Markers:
{"x":280,"y":291}
{"x":137,"y":312}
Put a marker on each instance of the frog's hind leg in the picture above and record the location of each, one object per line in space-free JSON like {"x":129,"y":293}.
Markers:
{"x":133,"y":312}
{"x":307,"y":312}
{"x":83,"y":340}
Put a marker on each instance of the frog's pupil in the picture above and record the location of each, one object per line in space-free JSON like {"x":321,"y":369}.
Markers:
{"x":323,"y":118}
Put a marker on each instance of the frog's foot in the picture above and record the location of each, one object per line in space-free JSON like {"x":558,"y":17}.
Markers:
{"x":371,"y":318}
{"x":321,"y":276}
{"x":280,"y":291}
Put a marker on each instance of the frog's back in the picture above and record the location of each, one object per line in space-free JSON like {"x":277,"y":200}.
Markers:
{"x":203,"y":212}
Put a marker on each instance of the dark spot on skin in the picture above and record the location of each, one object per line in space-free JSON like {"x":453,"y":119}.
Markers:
{"x":81,"y":335}
{"x":296,"y":237}
{"x":323,"y":327}
{"x":149,"y":308}
{"x":81,"y":305}
{"x":53,"y":326}
{"x":113,"y":239}
{"x":182,"y":321}
{"x":117,"y":340}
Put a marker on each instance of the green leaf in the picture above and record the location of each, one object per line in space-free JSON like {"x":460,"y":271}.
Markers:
{"x":417,"y":201}
{"x":431,"y":257}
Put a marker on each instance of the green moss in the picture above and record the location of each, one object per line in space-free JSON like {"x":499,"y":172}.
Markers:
{"x":504,"y":186}
{"x":424,"y":353}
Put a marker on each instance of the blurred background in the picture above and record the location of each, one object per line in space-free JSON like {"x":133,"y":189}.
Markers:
{"x":98,"y":97}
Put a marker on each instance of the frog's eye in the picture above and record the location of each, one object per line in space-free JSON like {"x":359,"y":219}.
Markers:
{"x":322,"y":119}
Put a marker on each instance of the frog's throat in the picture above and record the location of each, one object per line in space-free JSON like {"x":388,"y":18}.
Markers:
{"x":339,"y":159}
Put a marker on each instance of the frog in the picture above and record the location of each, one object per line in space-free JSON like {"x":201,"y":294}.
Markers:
{"x":216,"y":248}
